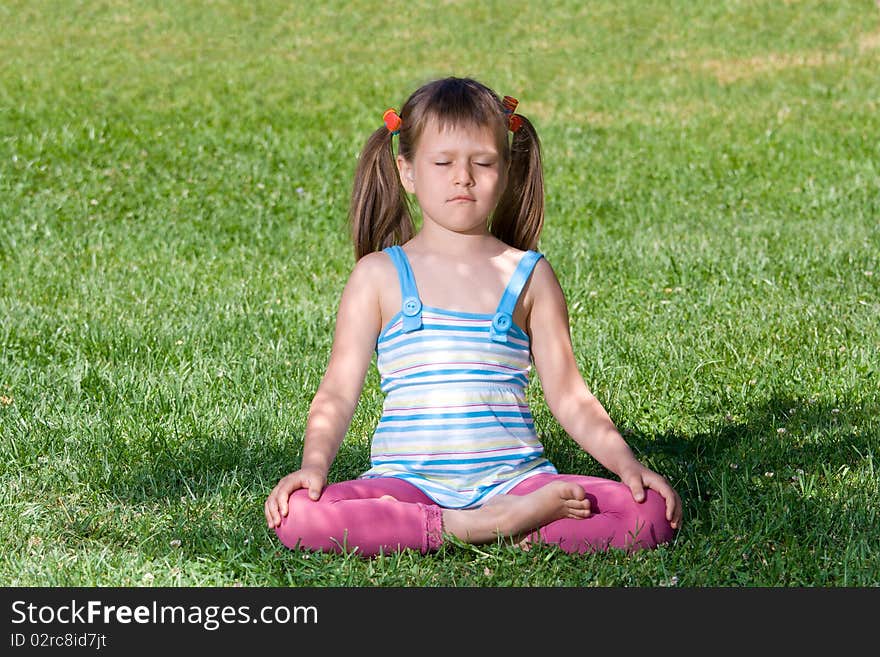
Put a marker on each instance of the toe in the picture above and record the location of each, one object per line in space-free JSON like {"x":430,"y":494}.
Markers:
{"x":576,"y":492}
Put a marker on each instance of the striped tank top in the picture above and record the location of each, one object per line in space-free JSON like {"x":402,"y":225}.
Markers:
{"x":455,"y":421}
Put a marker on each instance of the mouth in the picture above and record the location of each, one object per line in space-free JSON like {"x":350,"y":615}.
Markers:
{"x":468,"y":199}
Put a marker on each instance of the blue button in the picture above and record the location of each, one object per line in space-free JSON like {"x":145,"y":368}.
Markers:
{"x":412,"y":306}
{"x":501,"y":321}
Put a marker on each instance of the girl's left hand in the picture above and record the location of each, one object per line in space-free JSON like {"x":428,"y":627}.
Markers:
{"x":638,"y":478}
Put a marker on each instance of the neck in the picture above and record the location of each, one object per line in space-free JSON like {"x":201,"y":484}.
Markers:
{"x":452,"y":244}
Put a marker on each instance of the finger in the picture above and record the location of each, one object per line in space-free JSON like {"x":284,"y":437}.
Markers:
{"x":679,"y":512}
{"x":673,"y":507}
{"x":285,"y":488}
{"x":638,"y":490}
{"x":277,"y":513}
{"x":670,"y":507}
{"x":271,"y":513}
{"x":669,"y":496}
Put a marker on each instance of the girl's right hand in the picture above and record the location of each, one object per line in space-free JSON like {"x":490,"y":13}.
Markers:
{"x":276,"y":504}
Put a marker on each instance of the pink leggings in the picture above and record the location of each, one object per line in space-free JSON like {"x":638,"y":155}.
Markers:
{"x":351,"y":515}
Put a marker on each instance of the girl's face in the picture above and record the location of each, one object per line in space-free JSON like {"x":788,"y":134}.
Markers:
{"x":457,"y":176}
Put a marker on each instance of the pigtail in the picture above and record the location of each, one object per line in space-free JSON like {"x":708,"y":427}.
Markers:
{"x":379,"y":211}
{"x":519,"y":215}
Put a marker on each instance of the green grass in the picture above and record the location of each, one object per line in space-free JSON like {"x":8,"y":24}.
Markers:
{"x":174,"y":180}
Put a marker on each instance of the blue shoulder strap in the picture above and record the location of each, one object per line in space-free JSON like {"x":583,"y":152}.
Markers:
{"x":411,"y":305}
{"x":503,"y":319}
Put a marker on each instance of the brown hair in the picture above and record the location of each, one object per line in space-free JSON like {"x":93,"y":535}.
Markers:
{"x":380,"y":211}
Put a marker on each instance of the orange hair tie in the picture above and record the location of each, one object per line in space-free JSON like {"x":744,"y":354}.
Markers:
{"x":392,"y":121}
{"x":514,"y":121}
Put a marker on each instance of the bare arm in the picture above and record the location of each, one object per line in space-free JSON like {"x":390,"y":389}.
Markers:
{"x":578,"y":411}
{"x":357,"y":327}
{"x":334,"y":403}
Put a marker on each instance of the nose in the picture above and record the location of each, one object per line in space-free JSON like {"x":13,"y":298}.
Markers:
{"x":463,"y":176}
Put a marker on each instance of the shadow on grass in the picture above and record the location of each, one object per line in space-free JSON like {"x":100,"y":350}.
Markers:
{"x":204,"y":489}
{"x":783,"y":433}
{"x":770,"y":438}
{"x":738,"y":479}
{"x":770,"y":470}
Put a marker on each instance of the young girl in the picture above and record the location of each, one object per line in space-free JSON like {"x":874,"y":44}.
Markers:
{"x":456,"y":313}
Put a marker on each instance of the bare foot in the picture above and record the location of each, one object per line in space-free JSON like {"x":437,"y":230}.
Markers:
{"x":514,"y":515}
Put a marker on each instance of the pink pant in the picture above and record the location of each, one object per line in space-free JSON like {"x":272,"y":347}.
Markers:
{"x":350,"y":515}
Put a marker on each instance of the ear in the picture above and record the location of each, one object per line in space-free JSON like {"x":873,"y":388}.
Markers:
{"x":407,"y":174}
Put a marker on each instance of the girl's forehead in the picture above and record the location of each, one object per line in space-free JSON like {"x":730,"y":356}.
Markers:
{"x":439,"y":136}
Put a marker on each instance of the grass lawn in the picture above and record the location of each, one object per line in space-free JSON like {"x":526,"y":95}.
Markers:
{"x":174,"y":180}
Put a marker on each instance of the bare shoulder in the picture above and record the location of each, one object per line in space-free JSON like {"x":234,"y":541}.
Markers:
{"x":363,"y":289}
{"x":543,"y":283}
{"x":373,"y":270}
{"x":544,"y":287}
{"x":375,"y":277}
